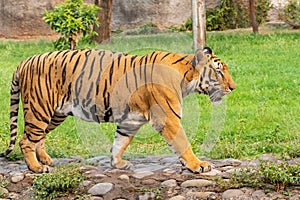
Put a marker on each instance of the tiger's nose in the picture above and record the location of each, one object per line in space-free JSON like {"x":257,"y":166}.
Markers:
{"x":231,"y":88}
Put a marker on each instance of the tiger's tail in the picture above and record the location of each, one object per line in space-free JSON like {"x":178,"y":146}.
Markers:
{"x":14,"y":109}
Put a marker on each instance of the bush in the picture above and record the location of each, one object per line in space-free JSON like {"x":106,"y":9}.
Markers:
{"x":278,"y":175}
{"x":71,"y":19}
{"x":291,"y":14}
{"x":234,"y":14}
{"x":58,"y":183}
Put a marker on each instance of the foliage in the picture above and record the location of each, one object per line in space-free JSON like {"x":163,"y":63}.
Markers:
{"x":58,"y":183}
{"x":231,"y":14}
{"x":291,"y":13}
{"x":262,"y":8}
{"x":3,"y":184}
{"x":278,"y":175}
{"x":234,"y":14}
{"x":71,"y":19}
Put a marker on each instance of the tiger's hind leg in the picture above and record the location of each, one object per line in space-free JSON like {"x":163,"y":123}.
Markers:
{"x":29,"y":143}
{"x":41,"y":153}
{"x":123,"y":137}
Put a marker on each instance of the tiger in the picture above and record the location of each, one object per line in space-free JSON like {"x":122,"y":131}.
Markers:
{"x":105,"y":86}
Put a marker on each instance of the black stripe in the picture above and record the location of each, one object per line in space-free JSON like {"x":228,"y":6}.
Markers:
{"x":121,"y":133}
{"x":76,"y":64}
{"x":165,"y":56}
{"x":92,"y":68}
{"x":119,"y":59}
{"x":173,"y":110}
{"x":111,"y":72}
{"x":180,"y":59}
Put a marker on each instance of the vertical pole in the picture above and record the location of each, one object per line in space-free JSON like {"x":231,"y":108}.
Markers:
{"x":199,"y":23}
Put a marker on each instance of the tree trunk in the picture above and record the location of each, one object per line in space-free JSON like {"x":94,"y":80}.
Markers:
{"x":199,"y":23}
{"x":104,"y":16}
{"x":252,"y":16}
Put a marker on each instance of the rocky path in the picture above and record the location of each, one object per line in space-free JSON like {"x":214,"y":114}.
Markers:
{"x":151,"y":177}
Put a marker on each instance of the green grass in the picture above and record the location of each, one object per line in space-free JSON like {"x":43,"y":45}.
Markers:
{"x":261,"y":116}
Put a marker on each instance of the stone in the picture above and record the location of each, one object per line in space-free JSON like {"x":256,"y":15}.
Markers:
{"x":149,"y":182}
{"x":13,"y":195}
{"x":124,"y":177}
{"x":147,"y":196}
{"x":169,"y":183}
{"x":93,"y":198}
{"x":196,"y":183}
{"x":100,"y":189}
{"x":86,"y":183}
{"x":178,"y":197}
{"x":232,"y":194}
{"x":258,"y":194}
{"x":168,"y":172}
{"x":213,"y":172}
{"x":142,"y":174}
{"x":88,"y":168}
{"x":201,"y":195}
{"x":3,"y":191}
{"x":148,"y":167}
{"x":94,"y":174}
{"x":17,"y":177}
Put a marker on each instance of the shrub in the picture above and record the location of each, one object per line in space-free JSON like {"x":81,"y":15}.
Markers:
{"x":234,"y":14}
{"x":291,"y":14}
{"x":278,"y":175}
{"x":71,"y":19}
{"x":57,"y":184}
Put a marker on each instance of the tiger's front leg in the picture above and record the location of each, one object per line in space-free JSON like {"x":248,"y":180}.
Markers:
{"x":168,"y":124}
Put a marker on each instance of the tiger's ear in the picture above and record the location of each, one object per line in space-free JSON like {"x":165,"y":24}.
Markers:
{"x":207,"y":50}
{"x":200,"y":56}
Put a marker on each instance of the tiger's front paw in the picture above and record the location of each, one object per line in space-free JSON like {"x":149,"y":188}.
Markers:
{"x":121,"y":164}
{"x":41,"y":169}
{"x":199,"y":166}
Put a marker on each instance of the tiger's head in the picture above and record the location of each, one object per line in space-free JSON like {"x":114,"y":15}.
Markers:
{"x":214,"y":78}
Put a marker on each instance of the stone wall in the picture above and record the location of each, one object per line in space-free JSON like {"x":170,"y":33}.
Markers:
{"x":23,"y":18}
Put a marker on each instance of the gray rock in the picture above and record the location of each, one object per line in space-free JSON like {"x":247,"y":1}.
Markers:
{"x":196,"y":183}
{"x":148,"y":167}
{"x":93,"y":198}
{"x":100,"y":189}
{"x":124,"y":177}
{"x":142,"y":174}
{"x":85,"y":183}
{"x":258,"y":194}
{"x":3,"y":191}
{"x":178,"y":197}
{"x":232,"y":194}
{"x":17,"y":177}
{"x":213,"y":172}
{"x":169,"y":183}
{"x":13,"y":195}
{"x":147,"y":196}
{"x":201,"y":195}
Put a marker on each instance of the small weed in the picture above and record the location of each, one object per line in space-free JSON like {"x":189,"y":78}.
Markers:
{"x":280,"y":175}
{"x":277,"y":175}
{"x":156,"y":191}
{"x":3,"y":184}
{"x":57,"y":184}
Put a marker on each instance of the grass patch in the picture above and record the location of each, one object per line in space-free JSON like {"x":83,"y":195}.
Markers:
{"x":269,"y":175}
{"x":261,"y":116}
{"x":57,"y":184}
